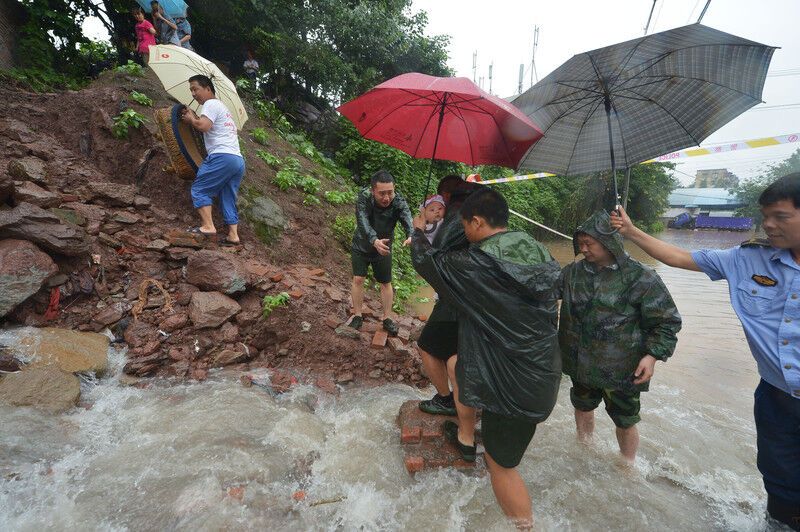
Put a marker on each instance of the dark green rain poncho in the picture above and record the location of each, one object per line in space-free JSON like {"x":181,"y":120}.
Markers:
{"x":612,"y":317}
{"x":503,"y":290}
{"x":374,"y":222}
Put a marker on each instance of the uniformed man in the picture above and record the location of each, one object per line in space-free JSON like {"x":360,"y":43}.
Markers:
{"x":764,"y":284}
{"x":617,"y":319}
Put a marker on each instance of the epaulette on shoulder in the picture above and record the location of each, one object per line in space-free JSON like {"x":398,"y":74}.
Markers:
{"x":756,"y":243}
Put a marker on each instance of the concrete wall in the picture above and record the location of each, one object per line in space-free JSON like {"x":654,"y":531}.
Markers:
{"x":10,"y":17}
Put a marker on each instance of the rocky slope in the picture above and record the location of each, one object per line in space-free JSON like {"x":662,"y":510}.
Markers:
{"x":92,"y":237}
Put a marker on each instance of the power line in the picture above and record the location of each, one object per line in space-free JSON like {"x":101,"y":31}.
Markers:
{"x":689,"y":18}
{"x":703,"y":13}
{"x":650,"y":16}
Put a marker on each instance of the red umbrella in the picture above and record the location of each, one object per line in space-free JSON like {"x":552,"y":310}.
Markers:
{"x":443,"y":118}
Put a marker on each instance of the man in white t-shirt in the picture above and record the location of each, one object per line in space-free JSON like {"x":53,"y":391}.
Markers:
{"x":223,"y":169}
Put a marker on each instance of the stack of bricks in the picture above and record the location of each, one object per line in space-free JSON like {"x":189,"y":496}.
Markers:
{"x":424,"y":444}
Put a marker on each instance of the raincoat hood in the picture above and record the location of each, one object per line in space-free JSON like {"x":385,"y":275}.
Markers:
{"x":598,"y":226}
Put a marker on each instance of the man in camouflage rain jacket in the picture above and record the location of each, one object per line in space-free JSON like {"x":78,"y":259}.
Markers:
{"x":617,"y":318}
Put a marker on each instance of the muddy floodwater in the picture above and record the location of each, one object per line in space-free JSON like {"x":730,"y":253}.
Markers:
{"x":218,"y":456}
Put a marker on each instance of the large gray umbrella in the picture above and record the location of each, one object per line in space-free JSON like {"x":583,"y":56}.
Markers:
{"x":630,"y":102}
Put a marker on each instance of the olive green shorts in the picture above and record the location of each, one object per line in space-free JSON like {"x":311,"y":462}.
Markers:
{"x":622,"y":407}
{"x":506,"y":438}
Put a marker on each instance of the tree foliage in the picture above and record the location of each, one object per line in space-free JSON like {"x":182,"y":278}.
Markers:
{"x":747,"y":192}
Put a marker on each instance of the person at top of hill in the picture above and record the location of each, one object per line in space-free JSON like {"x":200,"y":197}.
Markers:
{"x":145,"y":34}
{"x":378,"y":210}
{"x":165,"y":24}
{"x":222,"y":170}
{"x":617,"y":319}
{"x":764,"y":283}
{"x":502,"y":287}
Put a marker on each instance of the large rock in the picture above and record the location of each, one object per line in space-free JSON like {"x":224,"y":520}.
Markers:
{"x":262,"y":210}
{"x":23,"y":270}
{"x":28,"y":169}
{"x":46,"y":388}
{"x":71,"y":351}
{"x":217,"y":270}
{"x":211,"y":309}
{"x":112,"y":194}
{"x":33,"y":223}
{"x":33,"y":193}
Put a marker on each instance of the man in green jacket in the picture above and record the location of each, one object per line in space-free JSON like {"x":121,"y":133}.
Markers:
{"x":502,"y":287}
{"x":617,"y":320}
{"x":378,"y":210}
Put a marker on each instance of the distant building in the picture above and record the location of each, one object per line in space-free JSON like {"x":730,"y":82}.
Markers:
{"x":715,"y":178}
{"x":707,"y":201}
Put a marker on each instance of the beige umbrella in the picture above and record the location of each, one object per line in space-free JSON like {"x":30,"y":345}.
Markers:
{"x":174,"y":66}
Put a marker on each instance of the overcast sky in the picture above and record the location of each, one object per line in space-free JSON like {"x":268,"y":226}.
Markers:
{"x":502,"y":33}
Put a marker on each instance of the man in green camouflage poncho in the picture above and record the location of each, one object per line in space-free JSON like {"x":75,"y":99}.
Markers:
{"x":617,"y":319}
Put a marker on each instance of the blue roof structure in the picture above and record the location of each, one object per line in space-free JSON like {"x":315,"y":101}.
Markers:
{"x":703,"y":197}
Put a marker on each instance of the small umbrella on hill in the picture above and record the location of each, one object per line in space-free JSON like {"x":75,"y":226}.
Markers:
{"x":442,"y":118}
{"x":630,"y":102}
{"x":174,"y":65}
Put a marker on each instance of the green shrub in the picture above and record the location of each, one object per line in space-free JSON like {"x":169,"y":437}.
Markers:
{"x":286,"y":178}
{"x":310,"y":185}
{"x":270,"y":303}
{"x":268,"y":158}
{"x":340,"y":197}
{"x":126,"y":119}
{"x":259,"y":135}
{"x":141,"y":99}
{"x":131,"y":68}
{"x":310,"y":199}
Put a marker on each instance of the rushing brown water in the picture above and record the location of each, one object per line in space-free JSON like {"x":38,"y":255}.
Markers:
{"x":218,"y":456}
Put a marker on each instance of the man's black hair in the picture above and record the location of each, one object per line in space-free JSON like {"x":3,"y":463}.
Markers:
{"x":203,"y":81}
{"x":489,"y":205}
{"x":154,"y":2}
{"x":448,"y":184}
{"x":787,"y":187}
{"x":381,"y":176}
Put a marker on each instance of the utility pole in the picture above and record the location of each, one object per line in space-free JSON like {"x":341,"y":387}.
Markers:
{"x":490,"y":76}
{"x":474,"y":65}
{"x":521,"y":73}
{"x":533,"y":55}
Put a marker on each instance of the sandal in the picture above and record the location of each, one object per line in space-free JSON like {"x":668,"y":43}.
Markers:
{"x":198,"y":231}
{"x":229,"y":243}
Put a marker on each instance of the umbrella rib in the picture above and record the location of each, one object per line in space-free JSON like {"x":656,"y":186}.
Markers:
{"x":696,"y":142}
{"x":705,"y":81}
{"x":657,"y":60}
{"x":622,"y":136}
{"x":556,"y":101}
{"x":620,"y":87}
{"x":627,"y":60}
{"x":580,"y":88}
{"x":567,"y":113}
{"x":469,"y":137}
{"x":422,"y":134}
{"x":577,"y":137}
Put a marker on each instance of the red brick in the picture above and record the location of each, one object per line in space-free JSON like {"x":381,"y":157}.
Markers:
{"x":317,"y":272}
{"x":410,"y":434}
{"x":395,"y":344}
{"x":277,"y":277}
{"x":404,"y":335}
{"x":463,"y":464}
{"x":297,"y":294}
{"x":436,"y":462}
{"x":379,"y":340}
{"x":422,"y":317}
{"x":332,"y":322}
{"x":414,"y":464}
{"x":370,"y":327}
{"x":432,"y":433}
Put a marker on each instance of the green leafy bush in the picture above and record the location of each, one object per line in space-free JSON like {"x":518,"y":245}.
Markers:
{"x":126,"y":119}
{"x":310,"y":199}
{"x":268,"y":158}
{"x":141,"y":99}
{"x":270,"y":303}
{"x":340,"y":197}
{"x":259,"y":135}
{"x":310,"y":185}
{"x":131,"y":68}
